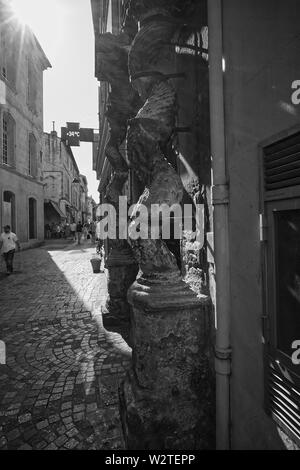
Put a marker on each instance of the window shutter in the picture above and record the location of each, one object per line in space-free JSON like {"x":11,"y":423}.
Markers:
{"x":11,"y":141}
{"x":3,"y":70}
{"x":8,"y":139}
{"x":32,"y":86}
{"x":281,"y":194}
{"x":11,"y":64}
{"x":33,"y":155}
{"x":282,"y":163}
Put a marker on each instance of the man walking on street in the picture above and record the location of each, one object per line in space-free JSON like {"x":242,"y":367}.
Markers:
{"x":8,"y":243}
{"x":47,"y":231}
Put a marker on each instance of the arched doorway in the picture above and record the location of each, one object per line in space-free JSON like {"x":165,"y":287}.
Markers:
{"x":32,"y":219}
{"x":9,"y":211}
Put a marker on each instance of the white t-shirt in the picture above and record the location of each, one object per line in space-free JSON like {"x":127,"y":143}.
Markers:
{"x":73,"y":227}
{"x":9,"y":241}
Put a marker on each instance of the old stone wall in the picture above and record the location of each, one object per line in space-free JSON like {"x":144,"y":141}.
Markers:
{"x":22,"y":64}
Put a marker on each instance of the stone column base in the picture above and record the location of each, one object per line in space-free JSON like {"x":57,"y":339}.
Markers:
{"x":167,"y":399}
{"x":122,"y":271}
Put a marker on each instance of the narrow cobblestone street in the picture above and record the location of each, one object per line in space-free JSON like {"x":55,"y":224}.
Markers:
{"x":58,"y":389}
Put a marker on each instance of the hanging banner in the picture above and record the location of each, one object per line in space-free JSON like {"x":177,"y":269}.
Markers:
{"x":86,"y":134}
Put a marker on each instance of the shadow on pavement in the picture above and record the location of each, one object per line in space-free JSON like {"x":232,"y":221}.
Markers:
{"x":58,"y":389}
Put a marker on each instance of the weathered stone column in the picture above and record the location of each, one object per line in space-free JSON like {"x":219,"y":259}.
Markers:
{"x":166,"y":399}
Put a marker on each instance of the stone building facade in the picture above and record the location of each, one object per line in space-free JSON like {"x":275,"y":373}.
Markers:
{"x":65,"y":189}
{"x":22,"y":63}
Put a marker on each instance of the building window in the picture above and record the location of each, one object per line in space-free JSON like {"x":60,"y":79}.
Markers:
{"x":9,"y":52}
{"x":32,"y":219}
{"x":281,"y":208}
{"x":32,"y":87}
{"x":8,"y":140}
{"x":9,"y":212}
{"x":3,"y":55}
{"x":32,"y":156}
{"x":66,"y":187}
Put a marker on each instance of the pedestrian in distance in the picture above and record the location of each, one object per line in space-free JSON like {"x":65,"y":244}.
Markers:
{"x":85,"y":231}
{"x":67,"y":230}
{"x":53,"y":229}
{"x":79,"y":231}
{"x":93,"y":231}
{"x":58,"y":231}
{"x":47,"y":231}
{"x":8,"y":244}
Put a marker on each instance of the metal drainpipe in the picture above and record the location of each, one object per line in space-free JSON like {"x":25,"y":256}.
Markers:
{"x":221,"y":235}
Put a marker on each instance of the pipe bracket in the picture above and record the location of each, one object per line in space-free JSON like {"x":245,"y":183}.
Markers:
{"x":182,"y":129}
{"x":223,"y":361}
{"x":220,"y":194}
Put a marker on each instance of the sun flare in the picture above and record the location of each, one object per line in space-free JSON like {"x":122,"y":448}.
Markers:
{"x":38,"y":14}
{"x":44,"y":18}
{"x":26,"y":11}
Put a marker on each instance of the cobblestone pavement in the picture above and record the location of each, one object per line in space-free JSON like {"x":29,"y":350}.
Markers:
{"x":58,"y":389}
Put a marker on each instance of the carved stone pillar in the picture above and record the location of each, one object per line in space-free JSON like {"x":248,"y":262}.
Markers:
{"x":111,"y":64}
{"x":166,"y":399}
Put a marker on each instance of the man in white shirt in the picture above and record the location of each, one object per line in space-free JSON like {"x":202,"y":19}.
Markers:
{"x":8,"y":243}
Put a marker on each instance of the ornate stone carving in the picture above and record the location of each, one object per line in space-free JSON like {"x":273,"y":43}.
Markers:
{"x":166,"y":398}
{"x":152,"y":126}
{"x":111,"y":64}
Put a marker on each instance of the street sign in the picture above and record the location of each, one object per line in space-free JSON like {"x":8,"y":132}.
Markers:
{"x":72,"y":134}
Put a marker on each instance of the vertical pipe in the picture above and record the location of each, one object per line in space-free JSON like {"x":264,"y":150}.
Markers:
{"x":221,"y":235}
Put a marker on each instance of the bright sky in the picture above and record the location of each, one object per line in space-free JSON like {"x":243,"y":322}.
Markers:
{"x":64,"y":29}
